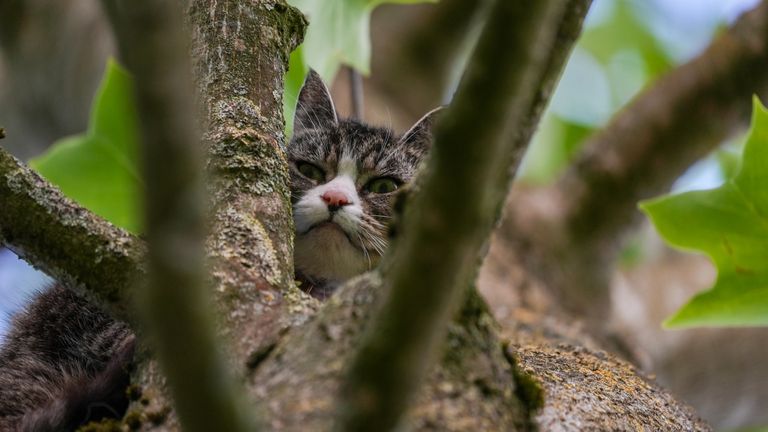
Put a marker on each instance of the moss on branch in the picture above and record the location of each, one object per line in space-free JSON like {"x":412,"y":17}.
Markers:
{"x":69,"y":243}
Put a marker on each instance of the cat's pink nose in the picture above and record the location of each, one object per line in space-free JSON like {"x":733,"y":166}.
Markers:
{"x":335,"y":199}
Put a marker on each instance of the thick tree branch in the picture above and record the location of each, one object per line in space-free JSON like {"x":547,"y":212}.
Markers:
{"x":174,"y":301}
{"x":71,"y":244}
{"x":241,"y":51}
{"x":569,"y":235}
{"x":476,"y":151}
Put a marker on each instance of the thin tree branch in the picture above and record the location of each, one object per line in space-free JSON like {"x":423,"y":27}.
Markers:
{"x":356,"y":92}
{"x":69,"y":243}
{"x":174,"y":302}
{"x":475,"y":152}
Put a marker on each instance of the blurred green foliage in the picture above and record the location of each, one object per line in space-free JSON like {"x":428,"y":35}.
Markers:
{"x":99,"y":168}
{"x":730,"y":225}
{"x":614,"y":59}
{"x":338,"y":33}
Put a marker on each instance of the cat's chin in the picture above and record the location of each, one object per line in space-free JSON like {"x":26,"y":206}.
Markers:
{"x":327,"y":252}
{"x":328,"y":229}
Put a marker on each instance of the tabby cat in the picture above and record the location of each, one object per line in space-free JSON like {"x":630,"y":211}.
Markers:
{"x":65,"y":362}
{"x":344,"y":176}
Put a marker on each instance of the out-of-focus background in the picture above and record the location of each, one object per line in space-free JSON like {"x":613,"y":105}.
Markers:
{"x":53,"y":55}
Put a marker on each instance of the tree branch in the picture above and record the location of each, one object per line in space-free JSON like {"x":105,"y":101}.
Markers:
{"x":71,"y":244}
{"x":241,"y":54}
{"x":645,"y":147}
{"x":174,"y":302}
{"x":476,"y":152}
{"x":684,"y":116}
{"x":355,"y":92}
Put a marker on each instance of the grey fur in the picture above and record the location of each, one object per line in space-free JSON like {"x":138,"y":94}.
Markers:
{"x":63,"y":363}
{"x":322,"y":139}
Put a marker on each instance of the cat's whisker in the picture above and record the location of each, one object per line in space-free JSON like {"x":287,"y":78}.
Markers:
{"x":346,"y":153}
{"x":365,"y":251}
{"x":376,"y":241}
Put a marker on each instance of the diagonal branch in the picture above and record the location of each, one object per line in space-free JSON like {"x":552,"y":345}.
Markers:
{"x":478,"y":146}
{"x":684,"y":116}
{"x":68,"y":242}
{"x":639,"y":154}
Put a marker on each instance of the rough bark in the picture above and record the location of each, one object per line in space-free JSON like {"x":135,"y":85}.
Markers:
{"x":71,"y":244}
{"x":471,"y":388}
{"x":614,"y":395}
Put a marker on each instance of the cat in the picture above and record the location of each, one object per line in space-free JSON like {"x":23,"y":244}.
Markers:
{"x":344,"y":177}
{"x":65,"y":362}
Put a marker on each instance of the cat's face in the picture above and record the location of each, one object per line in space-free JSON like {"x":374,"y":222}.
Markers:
{"x":344,"y":177}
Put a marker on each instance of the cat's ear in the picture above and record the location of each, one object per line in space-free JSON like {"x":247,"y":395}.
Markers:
{"x":420,"y":134}
{"x":315,"y":109}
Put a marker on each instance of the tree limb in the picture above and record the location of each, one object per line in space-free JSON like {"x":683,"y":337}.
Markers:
{"x":69,"y":243}
{"x":639,"y":154}
{"x":653,"y":140}
{"x":174,"y":302}
{"x":240,"y":53}
{"x":476,"y":152}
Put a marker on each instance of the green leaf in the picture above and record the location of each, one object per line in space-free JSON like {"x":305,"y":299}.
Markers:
{"x":339,"y":33}
{"x":729,"y":162}
{"x":99,"y":169}
{"x":294,"y":79}
{"x":730,"y":225}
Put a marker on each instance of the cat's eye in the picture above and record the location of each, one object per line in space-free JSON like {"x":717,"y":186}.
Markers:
{"x":382,"y":185}
{"x":312,"y":172}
